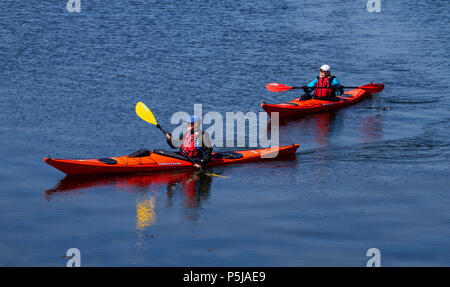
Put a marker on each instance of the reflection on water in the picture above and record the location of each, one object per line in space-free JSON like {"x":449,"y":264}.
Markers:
{"x":322,"y":129}
{"x":145,"y":216}
{"x":371,"y":129}
{"x":317,"y":128}
{"x":143,"y":182}
{"x":193,"y":186}
{"x":145,"y":211}
{"x":195,"y":189}
{"x":319,"y":125}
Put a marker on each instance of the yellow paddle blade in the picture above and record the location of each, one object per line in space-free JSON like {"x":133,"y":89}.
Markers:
{"x":144,"y":113}
{"x":217,"y":175}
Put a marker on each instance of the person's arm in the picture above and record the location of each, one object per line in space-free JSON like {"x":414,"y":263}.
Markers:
{"x":311,"y":86}
{"x":207,"y":149}
{"x":170,"y":141}
{"x":337,"y":85}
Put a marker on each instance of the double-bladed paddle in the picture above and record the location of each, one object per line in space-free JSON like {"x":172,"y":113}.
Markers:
{"x":144,"y":113}
{"x":371,"y":88}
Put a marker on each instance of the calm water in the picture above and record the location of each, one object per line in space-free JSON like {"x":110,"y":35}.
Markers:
{"x":372,"y":175}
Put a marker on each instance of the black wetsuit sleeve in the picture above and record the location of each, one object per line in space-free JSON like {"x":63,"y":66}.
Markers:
{"x":177,"y":142}
{"x":169,"y":142}
{"x":207,"y":149}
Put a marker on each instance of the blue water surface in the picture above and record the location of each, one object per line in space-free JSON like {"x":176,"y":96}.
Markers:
{"x":374,"y":175}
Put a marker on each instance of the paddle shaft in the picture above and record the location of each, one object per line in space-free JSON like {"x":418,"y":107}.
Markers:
{"x":371,"y":88}
{"x":193,"y":162}
{"x":296,"y":88}
{"x":161,"y":129}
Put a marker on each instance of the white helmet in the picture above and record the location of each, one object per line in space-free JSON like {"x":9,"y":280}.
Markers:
{"x":325,"y":68}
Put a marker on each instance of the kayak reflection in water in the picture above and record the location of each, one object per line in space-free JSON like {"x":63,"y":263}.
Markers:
{"x":325,"y":87}
{"x":189,"y":182}
{"x":198,"y":147}
{"x":190,"y":186}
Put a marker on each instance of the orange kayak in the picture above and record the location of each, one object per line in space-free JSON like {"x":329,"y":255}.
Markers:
{"x":161,"y":160}
{"x":297,"y":108}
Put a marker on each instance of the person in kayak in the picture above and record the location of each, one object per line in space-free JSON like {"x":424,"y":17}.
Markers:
{"x":325,"y":87}
{"x":196,"y":143}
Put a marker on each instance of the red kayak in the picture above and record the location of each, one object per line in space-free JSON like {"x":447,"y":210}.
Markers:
{"x":161,"y":160}
{"x":297,"y":108}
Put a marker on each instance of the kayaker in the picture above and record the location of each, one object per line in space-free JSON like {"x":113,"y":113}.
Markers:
{"x":324,"y":80}
{"x":199,"y":149}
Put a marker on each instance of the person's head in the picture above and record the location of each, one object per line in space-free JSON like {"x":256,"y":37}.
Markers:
{"x":193,"y":122}
{"x":324,"y":71}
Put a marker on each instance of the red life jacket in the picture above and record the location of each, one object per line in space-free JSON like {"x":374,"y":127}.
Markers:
{"x":324,"y":82}
{"x":191,"y":145}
